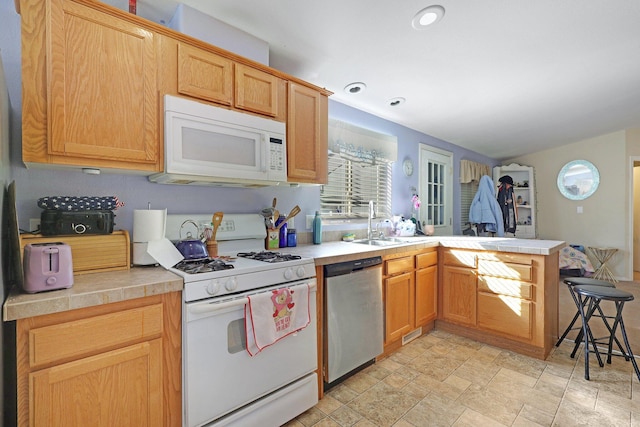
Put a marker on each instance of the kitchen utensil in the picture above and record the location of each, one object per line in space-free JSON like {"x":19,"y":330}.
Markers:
{"x":191,"y":247}
{"x":295,"y":211}
{"x":216,"y":220}
{"x":267,"y":213}
{"x":273,"y":204}
{"x":276,"y":215}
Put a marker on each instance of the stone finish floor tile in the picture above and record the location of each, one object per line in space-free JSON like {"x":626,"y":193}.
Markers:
{"x":444,"y":380}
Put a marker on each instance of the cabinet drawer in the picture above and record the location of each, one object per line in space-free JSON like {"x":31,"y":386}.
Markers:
{"x":514,"y":288}
{"x":505,"y":269}
{"x":399,"y":265}
{"x":86,"y":336}
{"x":426,"y":260}
{"x":508,"y":257}
{"x":460,"y":258}
{"x":508,"y":315}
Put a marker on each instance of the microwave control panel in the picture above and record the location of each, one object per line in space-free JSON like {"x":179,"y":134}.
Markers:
{"x":277,"y":163}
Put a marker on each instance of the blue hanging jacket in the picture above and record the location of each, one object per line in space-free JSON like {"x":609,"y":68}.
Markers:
{"x":485,"y":209}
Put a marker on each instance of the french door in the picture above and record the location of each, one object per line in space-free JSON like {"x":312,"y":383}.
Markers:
{"x":436,"y":173}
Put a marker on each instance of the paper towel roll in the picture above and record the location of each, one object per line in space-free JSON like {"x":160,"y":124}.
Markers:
{"x":149,"y":225}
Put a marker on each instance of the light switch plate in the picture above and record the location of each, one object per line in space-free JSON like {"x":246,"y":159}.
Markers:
{"x":310,"y":221}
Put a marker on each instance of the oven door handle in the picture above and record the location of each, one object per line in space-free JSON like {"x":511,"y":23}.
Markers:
{"x":216,"y":306}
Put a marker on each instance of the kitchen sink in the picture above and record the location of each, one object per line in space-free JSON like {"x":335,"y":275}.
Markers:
{"x":380,"y":242}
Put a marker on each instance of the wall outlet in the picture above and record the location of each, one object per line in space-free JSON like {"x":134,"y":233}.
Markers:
{"x":34,"y":224}
{"x":310,"y":221}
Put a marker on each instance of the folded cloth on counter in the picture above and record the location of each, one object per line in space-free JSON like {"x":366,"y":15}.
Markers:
{"x":571,"y":258}
{"x":271,"y":316}
{"x":80,"y":203}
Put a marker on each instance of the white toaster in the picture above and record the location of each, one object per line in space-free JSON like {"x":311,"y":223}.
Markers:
{"x":47,"y":266}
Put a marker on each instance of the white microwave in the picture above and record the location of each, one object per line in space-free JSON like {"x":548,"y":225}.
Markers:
{"x":207,"y":145}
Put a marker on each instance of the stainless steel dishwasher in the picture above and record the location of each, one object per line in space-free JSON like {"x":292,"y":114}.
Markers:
{"x":354,"y":327}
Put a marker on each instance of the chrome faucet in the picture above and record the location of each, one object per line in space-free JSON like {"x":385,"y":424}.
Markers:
{"x":372,"y":214}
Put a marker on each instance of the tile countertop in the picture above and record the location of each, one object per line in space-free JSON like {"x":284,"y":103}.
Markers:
{"x":92,"y":289}
{"x":333,"y":252}
{"x":103,"y":288}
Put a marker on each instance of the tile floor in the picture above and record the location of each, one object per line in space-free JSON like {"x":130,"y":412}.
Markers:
{"x":445,"y":380}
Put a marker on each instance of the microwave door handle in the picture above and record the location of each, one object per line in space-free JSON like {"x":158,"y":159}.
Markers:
{"x":265,"y":152}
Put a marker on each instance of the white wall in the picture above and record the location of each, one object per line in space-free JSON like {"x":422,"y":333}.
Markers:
{"x":606,"y":219}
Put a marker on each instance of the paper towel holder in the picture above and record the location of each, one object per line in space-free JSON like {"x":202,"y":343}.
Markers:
{"x":143,"y":218}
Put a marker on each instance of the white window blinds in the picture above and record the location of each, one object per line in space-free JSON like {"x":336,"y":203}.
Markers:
{"x":359,"y":171}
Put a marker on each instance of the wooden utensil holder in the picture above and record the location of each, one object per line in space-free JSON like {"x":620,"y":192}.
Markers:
{"x":212,"y":248}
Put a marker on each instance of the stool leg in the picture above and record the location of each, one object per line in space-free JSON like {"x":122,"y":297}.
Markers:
{"x":593,"y":305}
{"x":620,"y":306}
{"x":580,"y":303}
{"x":588,"y":336}
{"x":569,"y":328}
{"x":612,"y":333}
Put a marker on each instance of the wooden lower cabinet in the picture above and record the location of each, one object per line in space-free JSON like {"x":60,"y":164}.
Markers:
{"x":410,"y":286}
{"x":459,"y":295}
{"x":113,"y":364}
{"x":399,"y":306}
{"x":505,"y":299}
{"x":426,"y":294}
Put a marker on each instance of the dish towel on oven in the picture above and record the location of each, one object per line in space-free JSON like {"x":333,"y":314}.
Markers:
{"x":272,"y":315}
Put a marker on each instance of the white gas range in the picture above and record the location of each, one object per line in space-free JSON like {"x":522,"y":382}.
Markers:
{"x":222,"y":384}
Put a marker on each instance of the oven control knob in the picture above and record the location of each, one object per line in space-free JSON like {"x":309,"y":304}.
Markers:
{"x":288,"y":274}
{"x":301,"y":271}
{"x":231,"y":284}
{"x":213,"y":287}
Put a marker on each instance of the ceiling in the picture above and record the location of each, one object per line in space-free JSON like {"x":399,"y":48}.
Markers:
{"x":502,"y":78}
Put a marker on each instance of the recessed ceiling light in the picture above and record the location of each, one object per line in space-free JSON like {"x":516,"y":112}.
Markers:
{"x":394,"y":102}
{"x":427,"y":16}
{"x":355,"y":87}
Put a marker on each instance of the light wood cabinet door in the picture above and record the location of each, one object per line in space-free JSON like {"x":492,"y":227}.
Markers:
{"x":102,"y":89}
{"x":256,"y":91}
{"x":307,"y":133}
{"x":399,"y":306}
{"x":205,"y":75}
{"x":505,"y":314}
{"x":459,"y":290}
{"x":120,"y":387}
{"x":426,"y":295}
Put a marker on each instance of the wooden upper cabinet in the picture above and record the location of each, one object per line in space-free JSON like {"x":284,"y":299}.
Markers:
{"x":98,"y":96}
{"x":256,"y":91}
{"x":205,"y":75}
{"x":307,"y":133}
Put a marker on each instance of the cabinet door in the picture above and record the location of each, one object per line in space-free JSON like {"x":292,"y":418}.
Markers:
{"x":459,"y":295}
{"x":307,"y":127}
{"x":508,"y":315}
{"x":399,"y":306}
{"x":204,"y":75}
{"x":120,"y":387}
{"x":426,"y":295}
{"x":103,"y":101}
{"x":256,"y":91}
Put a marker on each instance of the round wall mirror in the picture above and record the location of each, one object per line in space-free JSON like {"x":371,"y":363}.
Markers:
{"x":578,"y":180}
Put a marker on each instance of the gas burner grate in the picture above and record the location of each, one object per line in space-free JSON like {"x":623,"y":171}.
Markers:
{"x":202,"y":265}
{"x":269,"y":256}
